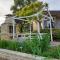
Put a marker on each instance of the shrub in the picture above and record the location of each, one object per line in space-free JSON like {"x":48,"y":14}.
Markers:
{"x":56,"y":34}
{"x":12,"y":45}
{"x":53,"y":52}
{"x":45,"y":30}
{"x":34,"y":46}
{"x":3,"y":43}
{"x":37,"y":46}
{"x":9,"y":44}
{"x":45,"y":42}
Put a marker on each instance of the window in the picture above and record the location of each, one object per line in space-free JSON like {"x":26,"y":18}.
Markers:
{"x":10,"y":29}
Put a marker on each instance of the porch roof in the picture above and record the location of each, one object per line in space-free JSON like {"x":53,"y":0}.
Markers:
{"x":55,"y":13}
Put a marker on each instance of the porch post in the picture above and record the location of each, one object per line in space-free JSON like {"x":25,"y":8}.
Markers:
{"x":38,"y":27}
{"x":30,"y":31}
{"x":51,"y":30}
{"x":51,"y":19}
{"x":13,"y":28}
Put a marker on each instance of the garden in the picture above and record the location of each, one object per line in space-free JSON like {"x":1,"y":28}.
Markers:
{"x":35,"y":46}
{"x":55,"y":33}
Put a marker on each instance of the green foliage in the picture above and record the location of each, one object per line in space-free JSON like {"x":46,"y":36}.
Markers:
{"x":53,"y":52}
{"x":30,"y":9}
{"x":45,"y":30}
{"x":11,"y":45}
{"x":56,"y":34}
{"x":34,"y":46}
{"x":20,"y":4}
{"x":37,"y":46}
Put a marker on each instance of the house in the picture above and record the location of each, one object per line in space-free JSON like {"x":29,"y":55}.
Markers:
{"x":56,"y":20}
{"x":7,"y":26}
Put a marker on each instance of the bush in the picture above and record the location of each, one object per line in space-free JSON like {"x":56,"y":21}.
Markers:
{"x":56,"y":34}
{"x":34,"y":46}
{"x":37,"y":46}
{"x":53,"y":52}
{"x":3,"y":43}
{"x":45,"y":30}
{"x":9,"y":44}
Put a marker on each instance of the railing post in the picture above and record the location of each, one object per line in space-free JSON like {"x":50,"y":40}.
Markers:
{"x":38,"y":27}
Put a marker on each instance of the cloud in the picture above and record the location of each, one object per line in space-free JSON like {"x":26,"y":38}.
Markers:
{"x":2,"y":20}
{"x":5,"y":6}
{"x":4,"y":9}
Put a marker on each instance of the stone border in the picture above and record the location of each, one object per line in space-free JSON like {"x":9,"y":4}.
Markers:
{"x":14,"y":55}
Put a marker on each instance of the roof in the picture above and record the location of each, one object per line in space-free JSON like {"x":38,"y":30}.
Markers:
{"x":55,"y":13}
{"x":9,"y":15}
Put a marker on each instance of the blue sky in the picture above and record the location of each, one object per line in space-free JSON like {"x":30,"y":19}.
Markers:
{"x":53,"y":4}
{"x":6,"y":4}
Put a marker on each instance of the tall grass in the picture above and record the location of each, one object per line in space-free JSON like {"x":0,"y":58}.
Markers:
{"x":10,"y":45}
{"x":34,"y":46}
{"x":37,"y":46}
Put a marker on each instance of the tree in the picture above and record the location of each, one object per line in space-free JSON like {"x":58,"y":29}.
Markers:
{"x":18,"y":4}
{"x":30,"y":9}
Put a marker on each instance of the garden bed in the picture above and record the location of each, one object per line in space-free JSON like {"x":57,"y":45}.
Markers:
{"x":39,"y":47}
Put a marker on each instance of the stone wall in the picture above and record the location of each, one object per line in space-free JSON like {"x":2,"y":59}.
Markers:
{"x":14,"y":55}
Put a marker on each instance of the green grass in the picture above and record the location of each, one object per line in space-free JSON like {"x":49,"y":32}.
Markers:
{"x":53,"y":52}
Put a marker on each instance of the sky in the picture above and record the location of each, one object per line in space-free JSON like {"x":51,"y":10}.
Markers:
{"x":4,"y":9}
{"x":6,"y":4}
